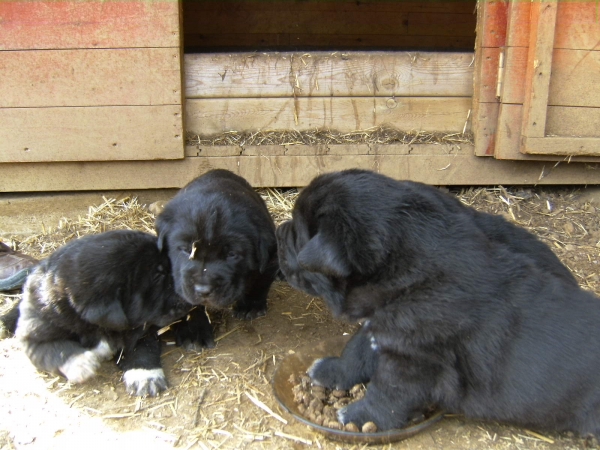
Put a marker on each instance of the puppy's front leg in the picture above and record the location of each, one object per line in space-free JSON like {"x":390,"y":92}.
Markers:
{"x":398,"y":389}
{"x":195,"y":331}
{"x":254,"y":303}
{"x":140,"y":363}
{"x":356,"y":364}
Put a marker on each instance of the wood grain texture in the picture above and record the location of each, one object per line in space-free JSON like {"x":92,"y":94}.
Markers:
{"x":560,"y":145}
{"x":325,"y":74}
{"x":107,"y":133}
{"x":289,"y":171}
{"x":291,"y":41}
{"x":508,"y":136}
{"x":208,"y":116}
{"x":61,"y":24}
{"x":491,"y":23}
{"x":539,"y":67}
{"x":140,"y":76}
{"x":575,"y":78}
{"x":485,"y":120}
{"x":577,"y":25}
{"x":573,"y":121}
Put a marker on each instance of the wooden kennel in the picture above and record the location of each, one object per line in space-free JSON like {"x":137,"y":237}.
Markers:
{"x":111,"y":94}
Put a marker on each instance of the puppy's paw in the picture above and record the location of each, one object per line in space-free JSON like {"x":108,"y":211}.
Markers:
{"x":376,"y":411}
{"x":244,"y":312}
{"x":356,"y":412}
{"x":143,"y":382}
{"x":103,"y":351}
{"x":193,"y":336}
{"x":328,"y":373}
{"x":81,"y":366}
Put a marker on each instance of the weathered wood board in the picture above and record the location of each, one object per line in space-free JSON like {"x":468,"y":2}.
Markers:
{"x":105,"y":133}
{"x":209,"y":116}
{"x":90,"y":80}
{"x":292,"y":171}
{"x":97,"y":77}
{"x":50,"y":24}
{"x":326,"y":74}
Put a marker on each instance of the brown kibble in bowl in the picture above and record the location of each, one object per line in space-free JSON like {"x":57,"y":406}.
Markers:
{"x":369,"y":427}
{"x":338,"y":393}
{"x":351,"y":426}
{"x":334,"y":424}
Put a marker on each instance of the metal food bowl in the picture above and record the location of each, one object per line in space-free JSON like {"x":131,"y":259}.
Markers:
{"x":299,"y":362}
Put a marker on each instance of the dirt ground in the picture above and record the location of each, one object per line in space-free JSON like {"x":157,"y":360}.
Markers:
{"x":209,"y":405}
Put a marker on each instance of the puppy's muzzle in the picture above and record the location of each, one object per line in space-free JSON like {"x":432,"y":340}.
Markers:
{"x":202,"y":290}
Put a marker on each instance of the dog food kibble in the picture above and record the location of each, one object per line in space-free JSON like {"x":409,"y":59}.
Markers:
{"x":369,"y":427}
{"x":320,"y":405}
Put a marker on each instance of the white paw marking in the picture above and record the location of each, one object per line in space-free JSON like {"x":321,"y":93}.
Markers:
{"x":311,"y":370}
{"x":81,"y":367}
{"x":104,"y":350}
{"x":145,"y":381}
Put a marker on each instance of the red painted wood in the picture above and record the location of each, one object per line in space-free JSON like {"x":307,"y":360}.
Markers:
{"x":51,"y":24}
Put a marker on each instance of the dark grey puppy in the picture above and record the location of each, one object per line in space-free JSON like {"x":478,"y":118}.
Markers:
{"x":461,"y":309}
{"x":221,"y":241}
{"x":100,"y":296}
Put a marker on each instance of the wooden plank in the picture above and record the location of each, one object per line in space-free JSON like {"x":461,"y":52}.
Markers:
{"x":485,"y":119}
{"x":539,"y":67}
{"x":291,"y":41}
{"x":209,"y":116}
{"x":561,"y":145}
{"x":518,"y":28}
{"x":140,"y":76}
{"x":491,"y":23}
{"x":515,"y":67}
{"x":90,"y":133}
{"x":575,"y":78}
{"x":569,"y":121}
{"x":486,"y":74}
{"x":508,"y":136}
{"x":289,"y":171}
{"x":577,"y":25}
{"x":61,"y":24}
{"x":326,"y":74}
{"x":491,"y":33}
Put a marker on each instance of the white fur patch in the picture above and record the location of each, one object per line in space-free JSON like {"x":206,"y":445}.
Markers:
{"x":104,"y":350}
{"x":81,"y":367}
{"x":145,"y":381}
{"x":311,"y":370}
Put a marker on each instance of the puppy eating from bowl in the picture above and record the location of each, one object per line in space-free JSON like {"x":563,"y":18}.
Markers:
{"x":459,"y":309}
{"x":104,"y":296}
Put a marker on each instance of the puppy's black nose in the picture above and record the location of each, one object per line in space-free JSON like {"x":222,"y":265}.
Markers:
{"x":202,"y":289}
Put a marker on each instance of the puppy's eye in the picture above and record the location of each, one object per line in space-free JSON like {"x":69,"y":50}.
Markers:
{"x":232,"y":255}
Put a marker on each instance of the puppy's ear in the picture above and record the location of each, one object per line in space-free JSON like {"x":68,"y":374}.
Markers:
{"x":109,"y":316}
{"x":322,"y":255}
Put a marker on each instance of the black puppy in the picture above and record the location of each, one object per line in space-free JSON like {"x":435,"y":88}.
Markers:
{"x":100,"y":295}
{"x":461,"y":309}
{"x":221,"y":241}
